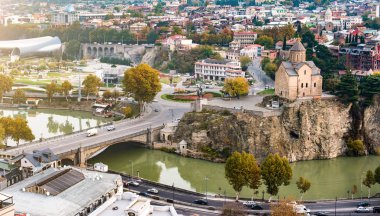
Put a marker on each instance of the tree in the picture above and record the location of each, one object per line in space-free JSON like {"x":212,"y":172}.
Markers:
{"x":19,"y":96}
{"x":72,"y":49}
{"x":2,"y":136}
{"x":51,"y":89}
{"x":6,"y":123}
{"x":303,"y":185}
{"x":265,"y":41}
{"x":152,"y":37}
{"x":6,"y":83}
{"x":66,"y":87}
{"x":91,"y":85}
{"x":236,"y":86}
{"x":107,"y":94}
{"x":369,"y":87}
{"x":284,"y":43}
{"x":377,"y":175}
{"x":20,"y":130}
{"x":264,"y":61}
{"x":127,"y":111}
{"x":355,"y":148}
{"x":270,"y":69}
{"x":115,"y":94}
{"x":369,"y":181}
{"x":252,"y":172}
{"x":308,"y":38}
{"x":233,"y":209}
{"x":354,"y":190}
{"x":244,"y":62}
{"x":275,"y":171}
{"x":143,"y":82}
{"x":348,"y":89}
{"x":283,"y":208}
{"x":234,"y":171}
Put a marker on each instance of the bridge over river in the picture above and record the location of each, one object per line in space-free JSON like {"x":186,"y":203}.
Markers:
{"x":78,"y":147}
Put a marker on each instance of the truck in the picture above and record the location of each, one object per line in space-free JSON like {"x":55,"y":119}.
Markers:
{"x":92,"y":132}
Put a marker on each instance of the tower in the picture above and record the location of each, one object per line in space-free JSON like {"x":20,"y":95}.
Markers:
{"x":297,"y":53}
{"x":328,"y":15}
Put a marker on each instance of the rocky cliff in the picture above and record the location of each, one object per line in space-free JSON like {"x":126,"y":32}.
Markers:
{"x":371,"y":127}
{"x":304,"y":131}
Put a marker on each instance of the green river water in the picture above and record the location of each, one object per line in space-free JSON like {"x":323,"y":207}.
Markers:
{"x":329,"y":178}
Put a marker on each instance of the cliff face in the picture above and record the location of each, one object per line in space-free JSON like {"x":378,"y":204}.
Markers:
{"x":371,"y":126}
{"x":304,"y":131}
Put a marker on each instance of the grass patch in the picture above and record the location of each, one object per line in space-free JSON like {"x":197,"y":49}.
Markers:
{"x":32,"y":82}
{"x":166,"y":80}
{"x":266,"y":92}
{"x":172,"y":98}
{"x":32,"y":90}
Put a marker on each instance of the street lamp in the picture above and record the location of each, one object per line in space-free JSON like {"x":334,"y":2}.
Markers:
{"x":206,"y":179}
{"x":173,"y":193}
{"x":132,"y":168}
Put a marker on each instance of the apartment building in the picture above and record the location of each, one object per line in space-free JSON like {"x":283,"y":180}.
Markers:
{"x":244,"y":38}
{"x":218,"y":70}
{"x":362,"y":56}
{"x":64,"y":18}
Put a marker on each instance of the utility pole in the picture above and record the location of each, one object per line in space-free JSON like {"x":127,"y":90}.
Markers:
{"x":173,"y":193}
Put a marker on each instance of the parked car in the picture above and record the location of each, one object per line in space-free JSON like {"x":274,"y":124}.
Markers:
{"x":320,"y":213}
{"x":376,"y":209}
{"x":133,"y":183}
{"x":156,"y":110}
{"x":153,"y":191}
{"x":201,"y":202}
{"x":363,"y":204}
{"x":362,"y":209}
{"x":111,"y":127}
{"x":256,"y":207}
{"x":249,"y":203}
{"x":145,"y":194}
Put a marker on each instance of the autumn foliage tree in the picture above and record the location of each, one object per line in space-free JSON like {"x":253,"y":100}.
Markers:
{"x":16,"y":128}
{"x":275,"y":171}
{"x":143,"y":82}
{"x":19,"y":96}
{"x":6,"y":83}
{"x":283,"y":208}
{"x":66,"y":87}
{"x":51,"y":90}
{"x":236,"y":87}
{"x":233,"y":209}
{"x":91,"y":85}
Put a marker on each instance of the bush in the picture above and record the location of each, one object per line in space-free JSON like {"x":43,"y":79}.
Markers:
{"x":355,"y":148}
{"x":167,"y":150}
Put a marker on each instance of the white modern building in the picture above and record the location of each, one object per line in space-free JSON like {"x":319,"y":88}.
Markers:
{"x":218,"y":70}
{"x":252,"y":51}
{"x":64,"y":18}
{"x":243,"y":39}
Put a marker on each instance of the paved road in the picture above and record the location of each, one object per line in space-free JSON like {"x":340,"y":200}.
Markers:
{"x":166,"y":112}
{"x":261,"y":79}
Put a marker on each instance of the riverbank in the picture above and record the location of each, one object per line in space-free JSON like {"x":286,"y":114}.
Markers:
{"x":329,"y":178}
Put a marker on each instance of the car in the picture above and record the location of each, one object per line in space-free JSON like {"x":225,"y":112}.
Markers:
{"x":133,"y":183}
{"x":111,"y":127}
{"x":256,"y":207}
{"x":115,"y":208}
{"x":152,"y":190}
{"x":201,"y":202}
{"x":145,"y":194}
{"x":376,"y":209}
{"x":320,"y":213}
{"x":362,"y":209}
{"x":363,"y":204}
{"x":249,"y":203}
{"x":156,"y":110}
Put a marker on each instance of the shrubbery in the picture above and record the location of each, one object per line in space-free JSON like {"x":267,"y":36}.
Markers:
{"x":355,"y":148}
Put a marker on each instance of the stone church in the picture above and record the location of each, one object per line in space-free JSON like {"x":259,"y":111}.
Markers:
{"x":298,"y":78}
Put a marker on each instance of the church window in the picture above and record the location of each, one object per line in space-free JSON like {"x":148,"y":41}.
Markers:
{"x":301,"y":85}
{"x":315,"y":85}
{"x":307,"y":85}
{"x":304,"y":72}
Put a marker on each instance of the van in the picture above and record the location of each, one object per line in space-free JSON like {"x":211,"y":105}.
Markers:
{"x":376,"y":209}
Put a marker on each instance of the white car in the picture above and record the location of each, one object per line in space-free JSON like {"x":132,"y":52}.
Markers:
{"x":153,"y":191}
{"x":111,"y":127}
{"x":362,"y":209}
{"x":133,"y":183}
{"x":249,"y":203}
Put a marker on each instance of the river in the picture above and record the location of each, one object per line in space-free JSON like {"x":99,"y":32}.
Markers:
{"x":329,"y":178}
{"x":47,"y":123}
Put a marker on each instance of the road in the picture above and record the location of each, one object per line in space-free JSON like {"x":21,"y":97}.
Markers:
{"x":166,"y":113}
{"x":343,"y":207}
{"x":261,"y":79}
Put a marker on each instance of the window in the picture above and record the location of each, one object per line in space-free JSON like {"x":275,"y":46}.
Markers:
{"x":304,"y":72}
{"x":315,"y":85}
{"x":307,"y":84}
{"x":301,"y":85}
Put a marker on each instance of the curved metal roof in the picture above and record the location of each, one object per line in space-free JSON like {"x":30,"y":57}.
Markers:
{"x":32,"y":46}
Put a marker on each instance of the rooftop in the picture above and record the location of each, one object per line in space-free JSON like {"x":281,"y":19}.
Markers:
{"x":70,"y":201}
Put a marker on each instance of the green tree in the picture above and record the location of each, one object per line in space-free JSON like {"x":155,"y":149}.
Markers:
{"x":369,"y":181}
{"x":234,"y":171}
{"x":303,"y":185}
{"x":369,"y":87}
{"x":348,"y":89}
{"x":236,"y":87}
{"x":66,"y":87}
{"x":91,"y":85}
{"x":275,"y":171}
{"x":109,"y":16}
{"x":265,"y":41}
{"x":6,"y":84}
{"x":264,"y":61}
{"x":152,"y":37}
{"x":127,"y":111}
{"x":355,"y":148}
{"x":51,"y":90}
{"x":377,"y":175}
{"x":21,"y":131}
{"x":176,"y":30}
{"x":143,"y":82}
{"x":308,"y":38}
{"x":72,"y":49}
{"x":270,"y":69}
{"x":244,"y":62}
{"x":19,"y":96}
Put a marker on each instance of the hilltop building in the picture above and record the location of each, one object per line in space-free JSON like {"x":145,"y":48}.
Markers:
{"x":298,"y":78}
